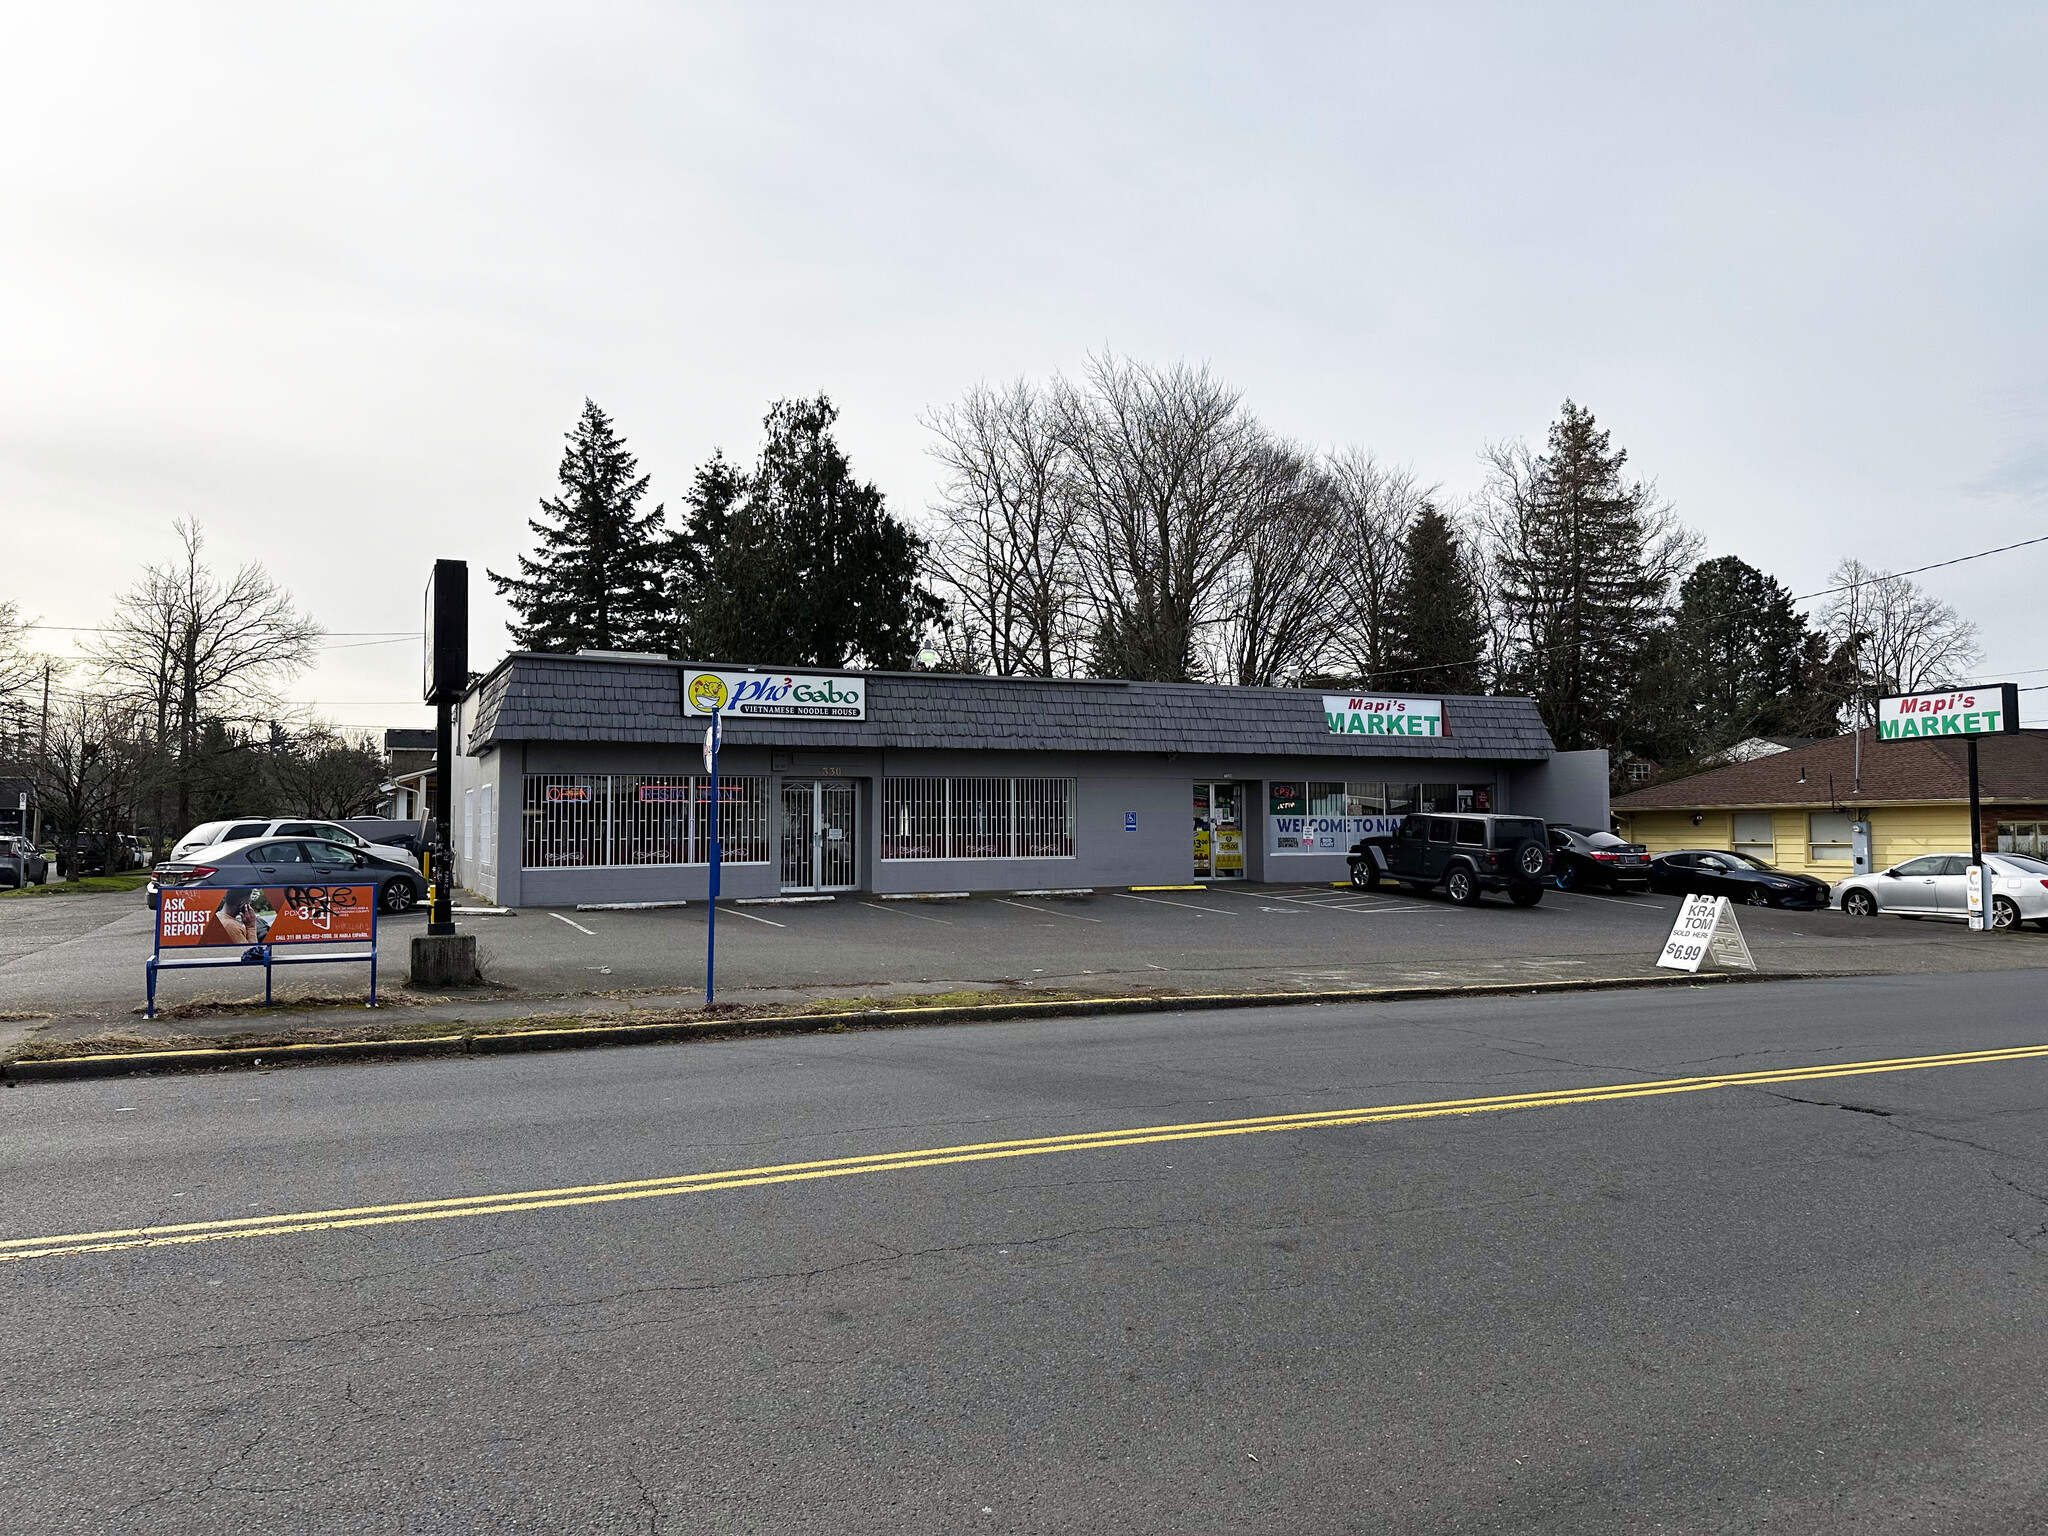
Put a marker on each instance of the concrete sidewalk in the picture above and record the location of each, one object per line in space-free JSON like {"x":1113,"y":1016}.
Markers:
{"x":72,"y":969}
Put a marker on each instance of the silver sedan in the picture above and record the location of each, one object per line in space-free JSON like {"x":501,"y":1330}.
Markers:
{"x":1936,"y":885}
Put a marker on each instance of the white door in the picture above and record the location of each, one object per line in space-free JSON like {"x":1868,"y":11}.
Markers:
{"x":820,"y":832}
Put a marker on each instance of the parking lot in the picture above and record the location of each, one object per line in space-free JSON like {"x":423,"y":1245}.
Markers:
{"x":84,"y":955}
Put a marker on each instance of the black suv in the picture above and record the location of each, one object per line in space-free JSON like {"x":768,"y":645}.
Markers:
{"x":1466,"y":855}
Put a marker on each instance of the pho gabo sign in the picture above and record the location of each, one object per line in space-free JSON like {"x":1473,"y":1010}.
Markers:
{"x":1367,"y":715}
{"x":774,"y":695}
{"x":1992,"y":710}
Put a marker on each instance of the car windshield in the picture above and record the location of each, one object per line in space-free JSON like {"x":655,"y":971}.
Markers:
{"x":1507,"y":830}
{"x":1606,"y":840}
{"x":1752,"y":861}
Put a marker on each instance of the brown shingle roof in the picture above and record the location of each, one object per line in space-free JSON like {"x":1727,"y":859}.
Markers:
{"x":2008,"y":768}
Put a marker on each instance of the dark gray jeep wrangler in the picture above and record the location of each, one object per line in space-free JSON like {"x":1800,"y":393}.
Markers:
{"x":1466,"y":855}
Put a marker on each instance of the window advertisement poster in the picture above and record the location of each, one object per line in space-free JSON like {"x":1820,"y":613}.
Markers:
{"x":1292,"y":827}
{"x":206,"y":917}
{"x":1371,"y":715}
{"x":774,"y":695}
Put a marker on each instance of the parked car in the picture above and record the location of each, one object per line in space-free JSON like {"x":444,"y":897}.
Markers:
{"x":99,"y":853}
{"x":22,"y":863}
{"x":1741,"y":877}
{"x":1937,"y":885}
{"x":206,"y":835}
{"x":1584,"y":856}
{"x":1466,"y":855}
{"x":279,"y":861}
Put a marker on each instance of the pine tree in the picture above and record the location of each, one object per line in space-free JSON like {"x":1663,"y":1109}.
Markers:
{"x":798,"y":563}
{"x":1437,"y":627}
{"x":597,"y":580}
{"x":1585,"y":560}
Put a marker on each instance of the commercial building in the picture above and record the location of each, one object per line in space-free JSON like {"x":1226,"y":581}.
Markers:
{"x":1813,"y":809}
{"x":581,"y":778}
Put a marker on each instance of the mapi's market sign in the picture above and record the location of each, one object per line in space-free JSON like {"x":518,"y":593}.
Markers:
{"x":1993,"y":710}
{"x":1367,"y":715}
{"x":774,"y":695}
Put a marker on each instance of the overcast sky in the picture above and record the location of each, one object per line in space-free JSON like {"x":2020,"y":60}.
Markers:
{"x":334,"y":280}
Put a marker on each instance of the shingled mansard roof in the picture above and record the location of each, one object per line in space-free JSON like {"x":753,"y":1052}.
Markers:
{"x":533,"y":696}
{"x":2008,"y":768}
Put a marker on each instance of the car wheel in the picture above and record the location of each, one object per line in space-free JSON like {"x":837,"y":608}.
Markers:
{"x":2005,"y":914}
{"x":1531,"y":858}
{"x":1753,"y":897}
{"x":1365,"y":874}
{"x":1525,"y":895}
{"x":397,"y":896}
{"x":1567,"y":878}
{"x":1461,"y":887}
{"x":1860,"y":904}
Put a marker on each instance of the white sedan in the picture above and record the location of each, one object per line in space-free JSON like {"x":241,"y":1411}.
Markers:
{"x":1935,"y":885}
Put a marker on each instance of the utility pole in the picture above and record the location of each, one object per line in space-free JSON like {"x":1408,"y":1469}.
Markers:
{"x":441,"y":957}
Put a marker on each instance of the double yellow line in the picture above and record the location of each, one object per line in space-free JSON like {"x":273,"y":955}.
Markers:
{"x":938,"y":1157}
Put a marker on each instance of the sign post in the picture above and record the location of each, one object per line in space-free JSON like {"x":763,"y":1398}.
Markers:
{"x":440,"y":956}
{"x":1992,"y":710}
{"x":712,"y":736}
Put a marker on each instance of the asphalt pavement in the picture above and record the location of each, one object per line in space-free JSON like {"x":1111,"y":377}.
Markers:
{"x":83,"y":956}
{"x":1490,"y":1269}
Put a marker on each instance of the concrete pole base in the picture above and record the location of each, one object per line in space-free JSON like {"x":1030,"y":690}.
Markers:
{"x":444,"y":960}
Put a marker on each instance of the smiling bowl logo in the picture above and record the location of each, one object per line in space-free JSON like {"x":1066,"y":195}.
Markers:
{"x":707,"y":692}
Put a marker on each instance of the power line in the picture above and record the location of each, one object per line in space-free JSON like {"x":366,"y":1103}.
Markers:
{"x":1938,"y":565}
{"x":103,"y":629}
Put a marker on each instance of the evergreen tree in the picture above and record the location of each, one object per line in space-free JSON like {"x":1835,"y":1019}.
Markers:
{"x":1585,"y":560}
{"x":799,"y":563}
{"x":1737,"y":660}
{"x":1438,"y":629}
{"x":597,"y":579}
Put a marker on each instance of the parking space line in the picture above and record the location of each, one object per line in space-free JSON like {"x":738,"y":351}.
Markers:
{"x":736,"y":912}
{"x":1161,"y":901}
{"x":1053,"y":911}
{"x":922,"y":917}
{"x":573,"y":924}
{"x":1619,"y":901}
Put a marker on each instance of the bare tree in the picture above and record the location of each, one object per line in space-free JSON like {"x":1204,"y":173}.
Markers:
{"x":1165,"y":463}
{"x":1282,"y":596}
{"x":323,"y":771}
{"x":1376,"y":506}
{"x":88,"y":771}
{"x":186,"y":645}
{"x":1005,"y":547}
{"x":1902,"y":639}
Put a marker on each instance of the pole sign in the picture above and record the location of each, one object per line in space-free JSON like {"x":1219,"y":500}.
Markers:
{"x":1368,"y":715}
{"x":1993,"y":710}
{"x":446,"y":657}
{"x":1706,"y":930}
{"x":754,"y":695}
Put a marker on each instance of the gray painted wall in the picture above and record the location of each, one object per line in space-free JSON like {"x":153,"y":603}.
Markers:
{"x":1570,"y":787}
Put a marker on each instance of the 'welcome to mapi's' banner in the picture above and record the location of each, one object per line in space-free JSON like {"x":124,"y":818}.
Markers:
{"x":1363,"y":715}
{"x":1993,"y":710}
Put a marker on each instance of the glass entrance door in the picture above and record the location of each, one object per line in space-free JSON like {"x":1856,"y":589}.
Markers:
{"x":820,"y":827}
{"x":1219,"y":831}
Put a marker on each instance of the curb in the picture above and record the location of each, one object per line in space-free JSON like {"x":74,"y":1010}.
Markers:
{"x":62,"y":1068}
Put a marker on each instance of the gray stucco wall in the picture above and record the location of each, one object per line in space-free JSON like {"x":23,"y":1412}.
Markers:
{"x":1569,"y":787}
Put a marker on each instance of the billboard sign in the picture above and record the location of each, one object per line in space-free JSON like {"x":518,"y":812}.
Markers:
{"x":1992,"y":710}
{"x":774,"y":695}
{"x":208,"y":917}
{"x":1371,"y":715}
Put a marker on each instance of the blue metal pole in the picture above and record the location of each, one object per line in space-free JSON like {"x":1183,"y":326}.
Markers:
{"x":711,"y":916}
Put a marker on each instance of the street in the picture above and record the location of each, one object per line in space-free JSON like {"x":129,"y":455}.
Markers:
{"x":1271,"y":1271}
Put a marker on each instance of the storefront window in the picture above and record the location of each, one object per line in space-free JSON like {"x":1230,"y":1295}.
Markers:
{"x":1439,"y":797}
{"x":595,"y":820}
{"x":1475,"y":797}
{"x":1403,"y":798}
{"x":977,"y":818}
{"x":1325,"y":799}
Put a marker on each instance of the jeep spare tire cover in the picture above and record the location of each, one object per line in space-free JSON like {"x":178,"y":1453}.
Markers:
{"x":1529,"y":859}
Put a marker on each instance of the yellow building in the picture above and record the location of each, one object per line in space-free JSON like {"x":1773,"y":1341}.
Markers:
{"x":1800,"y":809}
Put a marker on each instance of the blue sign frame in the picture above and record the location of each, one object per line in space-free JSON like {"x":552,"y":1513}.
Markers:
{"x":255,"y":954}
